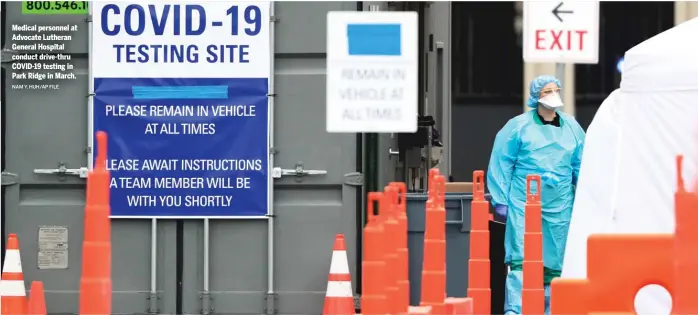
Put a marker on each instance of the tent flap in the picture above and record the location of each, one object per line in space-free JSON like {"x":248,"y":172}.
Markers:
{"x":664,"y":62}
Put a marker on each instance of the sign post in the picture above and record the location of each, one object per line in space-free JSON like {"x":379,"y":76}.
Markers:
{"x":372,"y":72}
{"x":182,"y":92}
{"x":561,"y":32}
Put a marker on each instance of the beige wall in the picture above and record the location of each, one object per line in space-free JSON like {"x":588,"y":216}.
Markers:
{"x":683,"y":11}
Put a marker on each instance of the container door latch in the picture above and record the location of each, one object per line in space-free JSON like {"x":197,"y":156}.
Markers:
{"x":62,"y":171}
{"x":299,"y":172}
{"x":9,"y":179}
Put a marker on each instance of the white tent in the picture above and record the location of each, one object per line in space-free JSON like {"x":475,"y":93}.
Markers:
{"x":628,"y":174}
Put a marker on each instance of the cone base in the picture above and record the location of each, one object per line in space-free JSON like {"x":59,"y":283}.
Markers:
{"x":95,"y":296}
{"x":338,"y":306}
{"x":14,"y":305}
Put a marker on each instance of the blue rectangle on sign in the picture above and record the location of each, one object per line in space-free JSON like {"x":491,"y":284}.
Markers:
{"x":179,"y":92}
{"x":374,"y":39}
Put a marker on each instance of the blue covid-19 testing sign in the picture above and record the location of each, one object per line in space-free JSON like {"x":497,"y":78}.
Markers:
{"x":181,"y":89}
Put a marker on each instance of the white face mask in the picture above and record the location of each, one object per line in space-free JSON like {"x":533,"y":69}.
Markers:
{"x":551,"y":101}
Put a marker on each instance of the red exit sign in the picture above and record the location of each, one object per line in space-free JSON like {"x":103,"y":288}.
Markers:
{"x":561,"y":32}
{"x":561,"y":40}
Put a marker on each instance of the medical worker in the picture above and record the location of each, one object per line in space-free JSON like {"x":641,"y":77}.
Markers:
{"x":549,"y":143}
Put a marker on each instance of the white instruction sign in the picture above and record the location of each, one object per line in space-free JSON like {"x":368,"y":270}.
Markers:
{"x":372,"y":71}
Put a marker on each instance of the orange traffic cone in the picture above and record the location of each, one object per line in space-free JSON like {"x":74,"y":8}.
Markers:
{"x":373,"y":300}
{"x":37,"y":301}
{"x":391,"y":228}
{"x":434,"y":266}
{"x":14,"y":298}
{"x":479,"y":261}
{"x":533,"y":293}
{"x":419,"y":310}
{"x":685,"y":241}
{"x":459,"y":306}
{"x":339,"y":298}
{"x":402,"y":268}
{"x":95,"y":281}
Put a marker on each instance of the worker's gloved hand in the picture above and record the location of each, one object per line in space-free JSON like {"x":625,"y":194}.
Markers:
{"x":501,"y":210}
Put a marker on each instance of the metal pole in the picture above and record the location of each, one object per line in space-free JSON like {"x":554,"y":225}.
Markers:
{"x":153,"y":296}
{"x":153,"y":255}
{"x":206,"y":253}
{"x":560,"y":74}
{"x":90,"y":90}
{"x":427,"y":162}
{"x":424,"y":172}
{"x":206,"y":295}
{"x":270,"y":299}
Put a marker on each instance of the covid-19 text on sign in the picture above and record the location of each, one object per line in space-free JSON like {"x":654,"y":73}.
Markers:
{"x":181,"y":90}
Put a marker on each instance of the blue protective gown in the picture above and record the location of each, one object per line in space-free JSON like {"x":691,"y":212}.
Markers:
{"x":526,"y":146}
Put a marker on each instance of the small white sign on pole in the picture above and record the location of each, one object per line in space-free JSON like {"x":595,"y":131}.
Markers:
{"x":561,"y":32}
{"x":372,"y":71}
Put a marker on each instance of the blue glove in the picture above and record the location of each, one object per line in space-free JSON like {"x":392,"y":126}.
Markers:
{"x":501,"y":210}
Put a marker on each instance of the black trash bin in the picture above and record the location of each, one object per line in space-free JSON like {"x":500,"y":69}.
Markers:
{"x":457,"y":247}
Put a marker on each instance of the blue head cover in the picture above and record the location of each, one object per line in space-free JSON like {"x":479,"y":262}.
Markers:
{"x":537,"y":85}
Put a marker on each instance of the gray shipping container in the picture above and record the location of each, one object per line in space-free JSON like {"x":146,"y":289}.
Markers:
{"x":254,"y":267}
